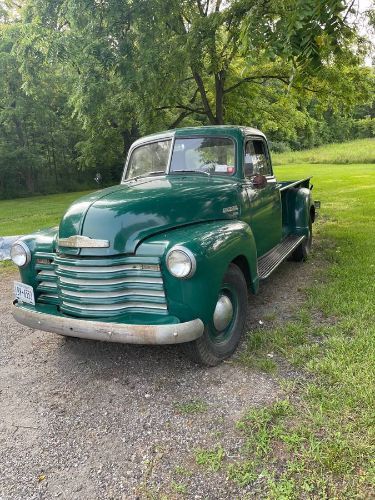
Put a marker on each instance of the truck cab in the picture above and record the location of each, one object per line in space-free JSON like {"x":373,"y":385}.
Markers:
{"x":171,"y":253}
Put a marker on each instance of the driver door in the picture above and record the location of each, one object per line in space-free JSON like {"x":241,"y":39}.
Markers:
{"x":263,"y":198}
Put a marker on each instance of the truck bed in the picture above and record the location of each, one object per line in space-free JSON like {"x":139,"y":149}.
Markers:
{"x":288,"y":184}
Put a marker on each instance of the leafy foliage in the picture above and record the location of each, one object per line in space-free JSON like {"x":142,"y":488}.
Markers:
{"x":81,"y":79}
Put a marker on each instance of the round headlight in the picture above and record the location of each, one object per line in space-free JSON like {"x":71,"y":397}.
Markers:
{"x":20,"y":254}
{"x":181,"y":262}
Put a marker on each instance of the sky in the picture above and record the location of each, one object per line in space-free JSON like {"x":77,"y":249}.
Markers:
{"x":364,"y":28}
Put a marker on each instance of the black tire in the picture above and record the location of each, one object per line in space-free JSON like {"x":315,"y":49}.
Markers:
{"x":214,"y":346}
{"x":303,"y":250}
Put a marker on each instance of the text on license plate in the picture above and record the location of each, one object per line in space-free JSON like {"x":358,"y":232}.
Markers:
{"x":24,"y":293}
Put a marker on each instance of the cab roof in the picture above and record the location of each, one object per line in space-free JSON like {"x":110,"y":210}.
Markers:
{"x":214,"y":130}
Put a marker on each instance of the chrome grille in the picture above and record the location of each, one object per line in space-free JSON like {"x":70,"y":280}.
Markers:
{"x":106,"y":287}
{"x":47,"y":289}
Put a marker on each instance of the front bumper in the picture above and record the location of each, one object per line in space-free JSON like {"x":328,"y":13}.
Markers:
{"x":110,"y":332}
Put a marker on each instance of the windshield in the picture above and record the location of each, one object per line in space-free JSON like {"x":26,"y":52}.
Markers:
{"x":215,"y":155}
{"x":206,"y":155}
{"x":149,"y":159}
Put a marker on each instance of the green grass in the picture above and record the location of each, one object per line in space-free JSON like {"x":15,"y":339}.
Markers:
{"x":319,"y":441}
{"x":7,"y":267}
{"x":211,"y":459}
{"x":191,"y":407}
{"x":179,"y":488}
{"x":358,"y":151}
{"x":25,"y":215}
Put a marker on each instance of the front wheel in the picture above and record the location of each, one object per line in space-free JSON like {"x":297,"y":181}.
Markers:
{"x":223,"y":333}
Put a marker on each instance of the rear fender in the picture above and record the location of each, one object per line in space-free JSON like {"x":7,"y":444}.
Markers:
{"x":215,"y":245}
{"x":299,"y":206}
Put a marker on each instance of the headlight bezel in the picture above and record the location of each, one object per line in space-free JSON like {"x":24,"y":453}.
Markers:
{"x":25,"y":248}
{"x":189,"y":254}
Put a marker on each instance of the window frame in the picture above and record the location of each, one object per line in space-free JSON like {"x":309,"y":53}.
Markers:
{"x":173,"y":138}
{"x":268,"y":156}
{"x":146,"y":143}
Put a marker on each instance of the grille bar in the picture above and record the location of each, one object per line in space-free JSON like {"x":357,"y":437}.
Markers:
{"x":47,"y":289}
{"x":116,"y":307}
{"x":117,"y":294}
{"x":49,"y":298}
{"x":108,"y":269}
{"x":47,"y":275}
{"x":109,"y":281}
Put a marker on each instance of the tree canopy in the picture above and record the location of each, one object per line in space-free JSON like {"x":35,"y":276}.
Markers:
{"x":81,"y":79}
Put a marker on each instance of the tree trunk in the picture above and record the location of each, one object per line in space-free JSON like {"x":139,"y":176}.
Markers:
{"x":19,"y":131}
{"x":54,"y":160}
{"x":203,"y":93}
{"x":29,"y":180}
{"x":219,"y":94}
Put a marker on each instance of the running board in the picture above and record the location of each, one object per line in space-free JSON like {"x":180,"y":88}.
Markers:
{"x":271,"y":260}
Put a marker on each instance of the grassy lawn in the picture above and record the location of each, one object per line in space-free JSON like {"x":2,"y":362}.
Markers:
{"x":25,"y":215}
{"x":7,"y":267}
{"x":359,"y":151}
{"x":318,"y":440}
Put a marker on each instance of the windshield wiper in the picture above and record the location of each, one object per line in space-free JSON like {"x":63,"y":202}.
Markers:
{"x":156,"y":172}
{"x":149,"y":174}
{"x":191,"y":171}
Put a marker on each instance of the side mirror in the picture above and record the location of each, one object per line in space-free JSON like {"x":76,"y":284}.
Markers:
{"x":259,"y":181}
{"x":98,"y":178}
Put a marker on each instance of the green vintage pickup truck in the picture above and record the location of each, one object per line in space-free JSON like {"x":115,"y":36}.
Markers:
{"x":170,"y":254}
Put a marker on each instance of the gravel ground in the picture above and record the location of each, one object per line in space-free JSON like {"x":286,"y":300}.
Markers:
{"x":86,"y":420}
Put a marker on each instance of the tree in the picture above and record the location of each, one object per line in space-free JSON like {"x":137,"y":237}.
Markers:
{"x":217,"y":48}
{"x":37,"y":133}
{"x":180,"y":60}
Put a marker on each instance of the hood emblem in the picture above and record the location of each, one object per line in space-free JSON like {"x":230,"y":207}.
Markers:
{"x":230,"y":210}
{"x":77,"y":241}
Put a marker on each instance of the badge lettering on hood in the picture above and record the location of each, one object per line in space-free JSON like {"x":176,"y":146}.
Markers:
{"x":77,"y":241}
{"x":231,"y":210}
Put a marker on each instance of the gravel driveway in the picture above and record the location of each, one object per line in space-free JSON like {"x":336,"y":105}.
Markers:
{"x":87,"y":420}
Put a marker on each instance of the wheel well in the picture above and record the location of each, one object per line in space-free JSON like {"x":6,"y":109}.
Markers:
{"x":241,"y":262}
{"x":312,"y":213}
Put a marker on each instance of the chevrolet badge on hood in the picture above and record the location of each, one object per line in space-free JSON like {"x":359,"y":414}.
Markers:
{"x":77,"y":241}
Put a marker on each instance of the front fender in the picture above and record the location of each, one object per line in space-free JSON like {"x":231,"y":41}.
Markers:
{"x":40,"y":241}
{"x":215,"y":245}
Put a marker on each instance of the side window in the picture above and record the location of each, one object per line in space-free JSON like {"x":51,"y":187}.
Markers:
{"x":256,"y":158}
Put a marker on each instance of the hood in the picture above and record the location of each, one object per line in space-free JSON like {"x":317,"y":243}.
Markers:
{"x":127,"y":214}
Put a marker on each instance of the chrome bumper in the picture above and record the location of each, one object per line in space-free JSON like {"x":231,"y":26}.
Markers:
{"x":110,"y":332}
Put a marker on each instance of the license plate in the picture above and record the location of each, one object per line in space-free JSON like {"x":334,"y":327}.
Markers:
{"x":24,"y":293}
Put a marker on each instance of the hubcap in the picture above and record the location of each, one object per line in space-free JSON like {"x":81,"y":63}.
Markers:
{"x":223,"y":313}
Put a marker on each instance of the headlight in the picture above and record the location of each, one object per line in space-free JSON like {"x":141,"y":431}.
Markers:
{"x":20,"y":254}
{"x":181,"y":262}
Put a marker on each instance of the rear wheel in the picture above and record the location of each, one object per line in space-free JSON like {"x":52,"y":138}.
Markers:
{"x":223,"y":333}
{"x":303,"y":250}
